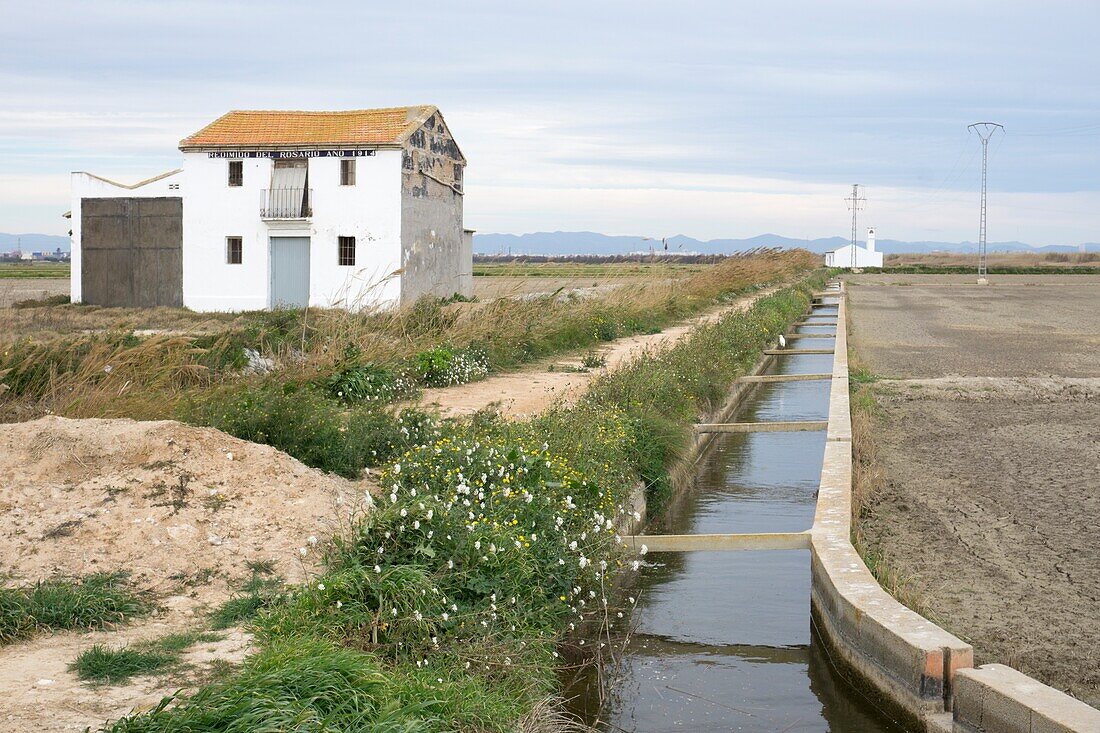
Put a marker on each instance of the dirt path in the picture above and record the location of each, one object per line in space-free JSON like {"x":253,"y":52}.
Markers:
{"x":533,"y":389}
{"x":990,"y":508}
{"x":40,"y":694}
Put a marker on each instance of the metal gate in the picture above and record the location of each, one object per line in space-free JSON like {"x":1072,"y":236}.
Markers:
{"x":289,"y":272}
{"x":131,"y":251}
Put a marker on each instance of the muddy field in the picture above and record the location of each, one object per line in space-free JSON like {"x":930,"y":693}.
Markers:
{"x":989,"y":436}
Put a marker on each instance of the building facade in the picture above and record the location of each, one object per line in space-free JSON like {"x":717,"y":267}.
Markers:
{"x":855,"y":256}
{"x":283,"y":209}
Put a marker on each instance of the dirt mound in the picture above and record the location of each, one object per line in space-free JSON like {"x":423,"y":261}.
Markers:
{"x":175,"y":506}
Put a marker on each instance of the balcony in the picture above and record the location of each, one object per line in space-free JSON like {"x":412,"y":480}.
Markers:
{"x":287,"y":203}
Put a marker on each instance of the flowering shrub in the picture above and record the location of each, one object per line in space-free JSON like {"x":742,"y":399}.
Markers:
{"x":367,"y":382}
{"x":483,"y":533}
{"x":445,"y":367}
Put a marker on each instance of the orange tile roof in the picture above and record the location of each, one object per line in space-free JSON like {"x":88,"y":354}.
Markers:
{"x":273,"y":128}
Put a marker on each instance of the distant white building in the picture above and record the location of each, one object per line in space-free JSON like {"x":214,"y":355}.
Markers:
{"x":282,"y":209}
{"x":855,"y":256}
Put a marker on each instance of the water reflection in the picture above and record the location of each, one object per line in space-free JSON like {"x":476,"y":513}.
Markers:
{"x":723,"y":640}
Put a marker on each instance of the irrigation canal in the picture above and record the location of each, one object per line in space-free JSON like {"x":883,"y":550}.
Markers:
{"x":723,"y":641}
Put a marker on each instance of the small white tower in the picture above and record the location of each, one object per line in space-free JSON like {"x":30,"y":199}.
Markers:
{"x":870,"y":239}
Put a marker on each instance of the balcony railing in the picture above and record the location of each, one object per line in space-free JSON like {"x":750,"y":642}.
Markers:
{"x":287,"y":203}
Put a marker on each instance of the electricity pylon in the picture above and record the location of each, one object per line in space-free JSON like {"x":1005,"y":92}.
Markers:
{"x":855,"y":203}
{"x":985,"y":131}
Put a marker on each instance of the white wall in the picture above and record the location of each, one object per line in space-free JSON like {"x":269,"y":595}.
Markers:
{"x":843,"y":258}
{"x":87,"y":186}
{"x":370,"y":211}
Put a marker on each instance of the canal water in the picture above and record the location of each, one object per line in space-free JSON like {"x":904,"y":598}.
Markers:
{"x":723,"y":640}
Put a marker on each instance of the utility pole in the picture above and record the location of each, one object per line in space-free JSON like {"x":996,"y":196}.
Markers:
{"x":855,"y":203}
{"x":985,"y":131}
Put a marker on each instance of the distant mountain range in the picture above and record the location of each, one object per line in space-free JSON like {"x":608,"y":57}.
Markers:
{"x":591,"y":243}
{"x":33,"y":242}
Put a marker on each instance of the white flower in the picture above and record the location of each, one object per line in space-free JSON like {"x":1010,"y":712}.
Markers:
{"x":583,"y":561}
{"x":312,"y":540}
{"x":446,"y":616}
{"x":320,"y":586}
{"x":637,"y":516}
{"x":404,"y":512}
{"x":393,"y":611}
{"x":397,"y":468}
{"x":644,"y":550}
{"x":303,"y":551}
{"x":339,"y":604}
{"x":377,"y":569}
{"x":229,"y":455}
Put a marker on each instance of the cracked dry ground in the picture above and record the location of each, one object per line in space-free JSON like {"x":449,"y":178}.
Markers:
{"x":989,"y":437}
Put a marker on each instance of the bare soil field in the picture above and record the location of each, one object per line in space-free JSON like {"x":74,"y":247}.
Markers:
{"x":989,"y":437}
{"x":13,"y":289}
{"x":185,"y":511}
{"x":940,"y":325}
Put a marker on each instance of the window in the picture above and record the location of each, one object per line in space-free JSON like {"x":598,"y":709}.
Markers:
{"x":234,"y":250}
{"x":347,"y":251}
{"x":347,"y":172}
{"x":236,"y":173}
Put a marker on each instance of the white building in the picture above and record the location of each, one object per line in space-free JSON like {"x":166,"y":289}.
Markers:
{"x":270,"y":209}
{"x":854,"y":256}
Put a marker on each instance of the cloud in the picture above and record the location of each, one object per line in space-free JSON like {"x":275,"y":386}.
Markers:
{"x":703,"y":116}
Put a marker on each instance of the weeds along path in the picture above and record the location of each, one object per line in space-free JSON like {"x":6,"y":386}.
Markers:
{"x":531,"y":390}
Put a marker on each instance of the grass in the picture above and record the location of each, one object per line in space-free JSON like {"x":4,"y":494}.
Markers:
{"x":113,"y":373}
{"x":260,"y":592}
{"x":33,"y":270}
{"x":94,"y":602}
{"x":102,"y":664}
{"x":868,"y":478}
{"x":491,"y":557}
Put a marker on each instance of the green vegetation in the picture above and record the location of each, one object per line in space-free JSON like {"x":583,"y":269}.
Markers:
{"x":491,"y":555}
{"x":260,"y":592}
{"x":33,"y":270}
{"x":93,"y":602}
{"x":113,"y":666}
{"x":348,"y":358}
{"x":104,"y":665}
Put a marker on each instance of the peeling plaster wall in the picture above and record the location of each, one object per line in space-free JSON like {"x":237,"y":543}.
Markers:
{"x":434,"y":258}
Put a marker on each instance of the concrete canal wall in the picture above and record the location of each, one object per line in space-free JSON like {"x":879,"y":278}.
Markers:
{"x":923,"y":672}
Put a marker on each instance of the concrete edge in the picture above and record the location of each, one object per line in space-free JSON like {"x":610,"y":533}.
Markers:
{"x":907,"y":659}
{"x":994,"y":697}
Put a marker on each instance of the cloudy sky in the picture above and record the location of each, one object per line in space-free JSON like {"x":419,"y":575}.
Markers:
{"x":711,"y":119}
